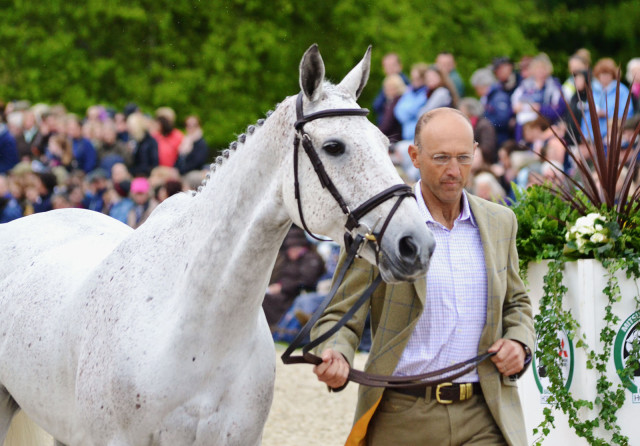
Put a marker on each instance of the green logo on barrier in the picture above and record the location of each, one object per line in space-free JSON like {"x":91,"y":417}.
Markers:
{"x":629,"y":331}
{"x":540,"y":373}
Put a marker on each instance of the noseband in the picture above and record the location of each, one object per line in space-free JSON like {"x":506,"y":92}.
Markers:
{"x":401,"y":191}
{"x":354,"y":243}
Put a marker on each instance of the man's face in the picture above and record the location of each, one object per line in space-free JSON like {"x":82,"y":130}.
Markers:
{"x":503,"y":72}
{"x":391,"y":65}
{"x":446,"y":134}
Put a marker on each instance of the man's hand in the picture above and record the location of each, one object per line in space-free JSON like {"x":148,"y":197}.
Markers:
{"x":334,"y":369}
{"x":509,"y":358}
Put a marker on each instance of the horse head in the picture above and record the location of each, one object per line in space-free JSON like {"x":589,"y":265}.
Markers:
{"x":345,"y":162}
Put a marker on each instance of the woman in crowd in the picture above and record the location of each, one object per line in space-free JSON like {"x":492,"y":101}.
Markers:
{"x":606,"y":73}
{"x":144,"y":146}
{"x":538,"y":94}
{"x":440,"y":90}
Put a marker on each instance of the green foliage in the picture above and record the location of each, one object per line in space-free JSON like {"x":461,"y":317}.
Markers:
{"x":542,"y":224}
{"x":553,"y":317}
{"x":232,"y":60}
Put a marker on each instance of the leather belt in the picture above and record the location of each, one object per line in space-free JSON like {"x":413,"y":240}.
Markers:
{"x":444,"y":393}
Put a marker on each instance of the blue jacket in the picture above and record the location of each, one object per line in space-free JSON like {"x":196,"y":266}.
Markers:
{"x":8,"y":150}
{"x":497,"y":109}
{"x":11,"y":209}
{"x":120,"y":210}
{"x":605,"y":99}
{"x":408,"y":108}
{"x":85,"y":154}
{"x":380,"y":101}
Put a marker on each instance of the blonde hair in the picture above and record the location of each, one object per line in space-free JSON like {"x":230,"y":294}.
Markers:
{"x":395,"y":81}
{"x":167,"y":113}
{"x":137,"y":126}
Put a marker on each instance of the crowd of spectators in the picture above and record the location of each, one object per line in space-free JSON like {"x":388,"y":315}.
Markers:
{"x":517,"y":111}
{"x":120,"y":163}
{"x":123,"y":163}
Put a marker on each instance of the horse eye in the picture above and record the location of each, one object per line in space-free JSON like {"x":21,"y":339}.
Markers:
{"x":334,"y":148}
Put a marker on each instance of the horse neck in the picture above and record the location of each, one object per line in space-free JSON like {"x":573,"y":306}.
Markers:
{"x":239,"y":221}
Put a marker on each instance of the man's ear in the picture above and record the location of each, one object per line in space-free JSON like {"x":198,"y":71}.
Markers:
{"x":413,"y":154}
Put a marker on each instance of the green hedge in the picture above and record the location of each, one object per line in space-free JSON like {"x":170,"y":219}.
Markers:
{"x":231,"y":61}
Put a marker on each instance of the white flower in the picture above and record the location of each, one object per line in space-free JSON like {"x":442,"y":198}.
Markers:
{"x":598,"y":238}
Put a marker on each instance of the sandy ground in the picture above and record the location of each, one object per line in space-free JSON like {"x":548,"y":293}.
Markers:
{"x":303,"y":411}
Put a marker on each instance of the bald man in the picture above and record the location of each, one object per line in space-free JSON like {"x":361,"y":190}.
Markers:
{"x":471,"y":301}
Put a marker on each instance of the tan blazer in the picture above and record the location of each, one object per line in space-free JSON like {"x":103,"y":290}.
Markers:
{"x":395,"y":310}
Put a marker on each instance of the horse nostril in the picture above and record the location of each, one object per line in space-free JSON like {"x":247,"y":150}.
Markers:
{"x":408,"y":248}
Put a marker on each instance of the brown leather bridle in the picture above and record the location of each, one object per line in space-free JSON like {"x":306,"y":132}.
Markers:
{"x":353,"y":245}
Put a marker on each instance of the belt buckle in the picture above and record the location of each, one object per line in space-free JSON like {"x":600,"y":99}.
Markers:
{"x":438,"y":389}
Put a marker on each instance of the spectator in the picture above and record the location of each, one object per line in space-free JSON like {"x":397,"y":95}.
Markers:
{"x":440,"y":90}
{"x":50,"y":124}
{"x":120,"y":121}
{"x":505,"y":74}
{"x":577,"y":104}
{"x":168,"y":189}
{"x":144,"y":204}
{"x":9,"y":207}
{"x":391,"y":65}
{"x":576,"y":64}
{"x":168,"y":137}
{"x":59,"y":152}
{"x":633,"y":78}
{"x":84,"y":154}
{"x":483,"y":131}
{"x":297,"y":269}
{"x":407,"y":109}
{"x":193,"y":152}
{"x":487,"y":186}
{"x":28,"y":136}
{"x":496,"y":102}
{"x":120,"y":203}
{"x":604,"y":95}
{"x":144,"y":147}
{"x":98,"y":182}
{"x":119,"y":172}
{"x":524,"y":66}
{"x":40,"y":192}
{"x":539,"y":94}
{"x":112,"y":150}
{"x":8,"y":149}
{"x":447,"y":65}
{"x":76,"y":196}
{"x":394,"y":87}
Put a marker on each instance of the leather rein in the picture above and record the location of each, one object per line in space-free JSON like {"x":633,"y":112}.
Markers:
{"x":355,"y":241}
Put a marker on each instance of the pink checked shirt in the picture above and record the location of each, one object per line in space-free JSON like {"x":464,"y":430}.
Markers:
{"x":455,"y":311}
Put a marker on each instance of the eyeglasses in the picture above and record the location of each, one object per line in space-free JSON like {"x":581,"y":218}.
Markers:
{"x":442,"y":159}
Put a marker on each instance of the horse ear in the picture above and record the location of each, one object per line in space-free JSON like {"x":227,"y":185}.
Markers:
{"x":357,"y":78}
{"x":312,"y":73}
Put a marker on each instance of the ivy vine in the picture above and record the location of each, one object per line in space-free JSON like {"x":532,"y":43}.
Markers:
{"x":542,"y":235}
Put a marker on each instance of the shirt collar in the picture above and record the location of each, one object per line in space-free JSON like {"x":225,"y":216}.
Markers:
{"x":465,"y":214}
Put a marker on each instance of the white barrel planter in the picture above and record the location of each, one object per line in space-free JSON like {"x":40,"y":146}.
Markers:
{"x":585,"y":280}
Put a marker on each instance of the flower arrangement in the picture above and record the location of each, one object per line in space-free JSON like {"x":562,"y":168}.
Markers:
{"x":592,"y":214}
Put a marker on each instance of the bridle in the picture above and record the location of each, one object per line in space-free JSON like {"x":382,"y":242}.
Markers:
{"x":401,"y":191}
{"x":355,"y":241}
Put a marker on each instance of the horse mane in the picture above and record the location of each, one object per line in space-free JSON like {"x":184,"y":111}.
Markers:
{"x":233,"y":147}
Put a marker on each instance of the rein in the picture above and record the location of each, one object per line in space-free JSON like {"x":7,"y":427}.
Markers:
{"x":354,"y":244}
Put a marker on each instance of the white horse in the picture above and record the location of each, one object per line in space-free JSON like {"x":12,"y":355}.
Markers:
{"x":110,"y":336}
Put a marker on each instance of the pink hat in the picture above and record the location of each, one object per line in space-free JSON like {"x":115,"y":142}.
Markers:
{"x":140,"y":186}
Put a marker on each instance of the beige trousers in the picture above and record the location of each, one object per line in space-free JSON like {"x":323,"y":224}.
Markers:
{"x":407,"y":420}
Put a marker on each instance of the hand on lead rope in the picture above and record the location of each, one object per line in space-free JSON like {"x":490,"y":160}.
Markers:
{"x":334,"y":369}
{"x":509,"y":359}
